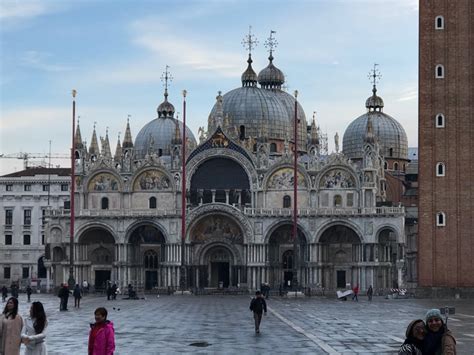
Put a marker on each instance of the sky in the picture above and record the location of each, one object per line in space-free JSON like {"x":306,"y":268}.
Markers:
{"x":114,"y":53}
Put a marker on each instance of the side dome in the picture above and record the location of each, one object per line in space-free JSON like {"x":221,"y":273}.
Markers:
{"x":271,"y":77}
{"x":387,"y":130}
{"x":159,"y":135}
{"x":254,"y":110}
{"x":289,"y":103}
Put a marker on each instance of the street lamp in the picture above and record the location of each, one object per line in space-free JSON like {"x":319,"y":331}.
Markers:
{"x":294,"y":282}
{"x":182,"y":277}
{"x":71,"y":281}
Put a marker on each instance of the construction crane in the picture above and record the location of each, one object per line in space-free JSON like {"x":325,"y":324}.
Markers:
{"x":27,"y":156}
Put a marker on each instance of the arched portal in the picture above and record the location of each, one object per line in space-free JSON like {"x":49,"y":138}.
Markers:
{"x":219,"y":261}
{"x":41,"y":268}
{"x":340,"y":252}
{"x":283,"y":260}
{"x":387,"y":252}
{"x":96,"y":249}
{"x":228,"y":182}
{"x":146,"y":253}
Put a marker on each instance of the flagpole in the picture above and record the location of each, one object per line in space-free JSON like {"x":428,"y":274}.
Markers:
{"x":183,"y":199}
{"x":71,"y":281}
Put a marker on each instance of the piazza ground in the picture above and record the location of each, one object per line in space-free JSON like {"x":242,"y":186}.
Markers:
{"x":170,"y":324}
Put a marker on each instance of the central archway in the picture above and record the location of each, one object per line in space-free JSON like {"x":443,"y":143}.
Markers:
{"x":340,"y":246}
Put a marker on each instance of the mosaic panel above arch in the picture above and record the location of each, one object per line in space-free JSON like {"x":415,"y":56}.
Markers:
{"x":104,"y":182}
{"x":217,"y":227}
{"x":152,"y":180}
{"x":337,"y":179}
{"x":283,"y":179}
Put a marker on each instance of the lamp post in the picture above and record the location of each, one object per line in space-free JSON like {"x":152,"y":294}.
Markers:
{"x":294,"y":282}
{"x":182,"y":278}
{"x":71,"y":281}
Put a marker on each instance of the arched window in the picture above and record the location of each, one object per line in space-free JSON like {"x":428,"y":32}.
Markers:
{"x":439,"y":73}
{"x":440,"y":219}
{"x":150,"y":259}
{"x":338,"y":201}
{"x":440,"y":169}
{"x":286,"y":201}
{"x":439,"y":22}
{"x":160,"y":152}
{"x":385,"y":165}
{"x":395,"y":166}
{"x":152,"y":202}
{"x":273,"y":148}
{"x":254,"y":148}
{"x":104,"y":203}
{"x":404,"y":168}
{"x":390,"y":152}
{"x":242,"y":133}
{"x":287,"y":260}
{"x":440,"y":120}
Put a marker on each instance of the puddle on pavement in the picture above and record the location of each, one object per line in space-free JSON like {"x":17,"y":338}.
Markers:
{"x":200,"y":344}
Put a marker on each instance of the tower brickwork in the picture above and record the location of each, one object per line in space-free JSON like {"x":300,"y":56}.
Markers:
{"x":446,"y":143}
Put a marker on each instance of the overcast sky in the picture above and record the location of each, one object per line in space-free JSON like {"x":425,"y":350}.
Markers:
{"x":114,"y":52}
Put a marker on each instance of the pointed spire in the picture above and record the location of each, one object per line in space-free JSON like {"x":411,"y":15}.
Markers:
{"x":177,"y":134}
{"x":118,"y":150}
{"x":94,"y":147}
{"x":166,"y":109}
{"x":249,"y":77}
{"x":106,"y":145}
{"x":369,"y":133}
{"x":271,"y":77}
{"x":127,"y":139}
{"x":219,"y":115}
{"x":374,"y":102}
{"x":78,"y":138}
{"x":314,"y":130}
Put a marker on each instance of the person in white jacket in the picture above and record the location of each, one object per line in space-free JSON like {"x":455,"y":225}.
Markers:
{"x":33,"y":334}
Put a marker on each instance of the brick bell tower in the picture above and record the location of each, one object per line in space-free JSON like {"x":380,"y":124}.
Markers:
{"x":446,"y":143}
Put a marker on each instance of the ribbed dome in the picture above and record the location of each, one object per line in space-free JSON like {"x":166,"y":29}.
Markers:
{"x":162,"y":132}
{"x":166,"y":108}
{"x":289,"y":102}
{"x":388,"y":132}
{"x":249,"y":77}
{"x":255,"y":109}
{"x":374,"y":102}
{"x":271,"y":77}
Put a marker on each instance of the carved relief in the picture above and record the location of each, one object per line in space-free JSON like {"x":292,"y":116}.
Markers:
{"x":104,"y":182}
{"x":337,"y":178}
{"x":217,"y":227}
{"x":219,"y":140}
{"x":151,"y":180}
{"x":283,"y":179}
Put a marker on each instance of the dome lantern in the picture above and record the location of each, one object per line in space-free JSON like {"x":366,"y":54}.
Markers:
{"x":271,"y":77}
{"x":249,"y":77}
{"x":166,"y":109}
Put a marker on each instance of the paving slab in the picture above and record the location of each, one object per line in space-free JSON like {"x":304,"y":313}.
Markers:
{"x":224,"y":325}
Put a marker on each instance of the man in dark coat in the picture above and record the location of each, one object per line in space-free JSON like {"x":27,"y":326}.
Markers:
{"x":4,"y":293}
{"x":258,"y":306}
{"x":63,"y":294}
{"x":29,"y":291}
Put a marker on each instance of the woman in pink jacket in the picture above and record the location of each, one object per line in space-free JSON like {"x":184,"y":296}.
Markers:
{"x":102,"y":335}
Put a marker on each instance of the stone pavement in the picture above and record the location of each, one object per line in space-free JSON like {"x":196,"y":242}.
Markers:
{"x":224,"y":325}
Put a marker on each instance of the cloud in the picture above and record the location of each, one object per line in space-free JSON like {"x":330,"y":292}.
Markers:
{"x":408,"y":94}
{"x":21,"y":9}
{"x":14,"y":120}
{"x":39,"y":60}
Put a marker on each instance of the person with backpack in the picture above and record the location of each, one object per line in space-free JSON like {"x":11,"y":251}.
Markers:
{"x":258,"y":306}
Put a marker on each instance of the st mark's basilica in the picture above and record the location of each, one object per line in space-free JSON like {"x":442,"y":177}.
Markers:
{"x":239,"y":198}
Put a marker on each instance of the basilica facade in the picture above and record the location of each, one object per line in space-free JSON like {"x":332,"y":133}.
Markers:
{"x":239,"y":195}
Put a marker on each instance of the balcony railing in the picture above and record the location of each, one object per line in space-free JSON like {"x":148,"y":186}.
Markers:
{"x":302,"y":212}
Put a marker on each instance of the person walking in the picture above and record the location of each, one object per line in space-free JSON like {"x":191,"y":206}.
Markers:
{"x":109,"y":290}
{"x":413,"y":344}
{"x":85,"y":287}
{"x":77,"y":296}
{"x":356,"y":292}
{"x":63,"y":294}
{"x":29,"y":291}
{"x":102,"y":334}
{"x":438,"y":338}
{"x":370,"y":293}
{"x":33,"y":334}
{"x":114,"y":291}
{"x":14,"y":290}
{"x":11,"y":324}
{"x":4,"y":293}
{"x":258,"y":306}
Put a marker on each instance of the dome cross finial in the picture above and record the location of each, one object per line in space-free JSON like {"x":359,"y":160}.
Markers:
{"x":374,"y":76}
{"x":165,"y":78}
{"x":271,"y":43}
{"x":250,"y":41}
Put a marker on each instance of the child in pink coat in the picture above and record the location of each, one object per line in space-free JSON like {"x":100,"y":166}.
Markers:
{"x":102,"y":335}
